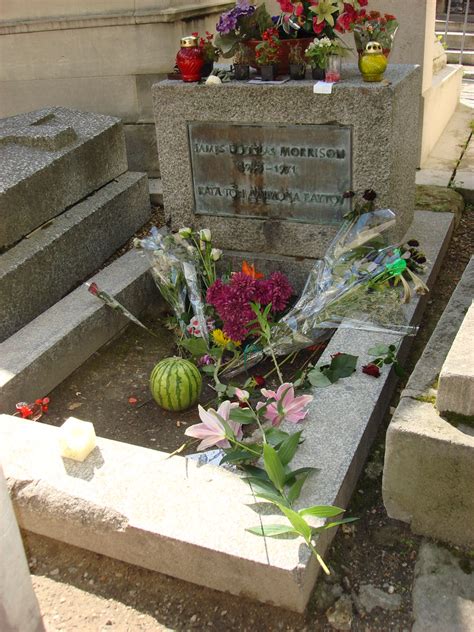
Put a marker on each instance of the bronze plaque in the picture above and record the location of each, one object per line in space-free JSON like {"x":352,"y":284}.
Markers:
{"x":290,"y":172}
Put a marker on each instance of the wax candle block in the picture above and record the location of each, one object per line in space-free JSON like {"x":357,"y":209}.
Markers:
{"x":76,"y":439}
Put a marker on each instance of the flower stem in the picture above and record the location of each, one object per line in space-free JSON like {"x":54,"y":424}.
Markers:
{"x":277,"y":366}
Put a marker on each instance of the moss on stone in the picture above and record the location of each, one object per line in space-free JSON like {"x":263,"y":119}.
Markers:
{"x":439,"y":199}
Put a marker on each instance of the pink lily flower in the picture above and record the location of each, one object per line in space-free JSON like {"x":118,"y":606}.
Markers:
{"x":211,"y":430}
{"x":242,"y":395}
{"x":285,"y":406}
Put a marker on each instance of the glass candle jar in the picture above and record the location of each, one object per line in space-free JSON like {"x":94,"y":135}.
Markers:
{"x":333,"y":69}
{"x":190,"y":59}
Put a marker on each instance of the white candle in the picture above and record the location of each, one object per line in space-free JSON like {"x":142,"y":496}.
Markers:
{"x":76,"y":439}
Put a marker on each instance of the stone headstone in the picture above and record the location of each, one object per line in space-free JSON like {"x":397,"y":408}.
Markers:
{"x":265,"y":167}
{"x":50,"y":159}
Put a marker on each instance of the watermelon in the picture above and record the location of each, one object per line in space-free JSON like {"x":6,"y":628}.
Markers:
{"x":175,"y":384}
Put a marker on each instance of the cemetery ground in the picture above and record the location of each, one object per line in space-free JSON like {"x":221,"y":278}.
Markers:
{"x":80,"y":590}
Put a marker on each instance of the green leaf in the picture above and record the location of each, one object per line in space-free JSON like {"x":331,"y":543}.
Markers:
{"x":378,"y":350}
{"x":227,"y":43}
{"x":392,"y":348}
{"x":271,"y":530}
{"x":299,"y":523}
{"x":207,"y":368}
{"x":197,"y":347}
{"x":388,"y":360}
{"x":295,"y":490}
{"x":331,"y":525}
{"x":234,"y":456}
{"x":274,"y":498}
{"x":256,"y":472}
{"x":343,"y":365}
{"x":273,"y":466}
{"x":275,"y":437}
{"x":260,"y":486}
{"x":318,"y":379}
{"x":220,"y":388}
{"x":321,"y":511}
{"x":242,"y":415}
{"x":291,"y":476}
{"x":288,"y":448}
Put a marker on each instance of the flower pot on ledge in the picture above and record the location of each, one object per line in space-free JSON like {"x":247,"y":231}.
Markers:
{"x":318,"y":74}
{"x":285,"y":47}
{"x":268,"y":72}
{"x":241,"y":72}
{"x":297,"y":71}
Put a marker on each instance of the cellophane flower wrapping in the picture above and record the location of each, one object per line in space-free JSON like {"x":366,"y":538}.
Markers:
{"x":174,"y":267}
{"x":340,"y":291}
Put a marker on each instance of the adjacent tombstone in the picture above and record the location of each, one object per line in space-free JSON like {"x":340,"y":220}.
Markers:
{"x":51,"y":159}
{"x":266,"y":167}
{"x":19,"y":611}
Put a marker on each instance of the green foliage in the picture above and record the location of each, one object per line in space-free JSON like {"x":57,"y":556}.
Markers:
{"x":386,"y":354}
{"x":342,"y":365}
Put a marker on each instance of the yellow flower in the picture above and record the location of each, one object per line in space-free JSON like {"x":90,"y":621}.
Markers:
{"x":222,"y":340}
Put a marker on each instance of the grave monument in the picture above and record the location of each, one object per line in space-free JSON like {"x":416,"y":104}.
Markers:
{"x":67,"y":202}
{"x":266,"y":167}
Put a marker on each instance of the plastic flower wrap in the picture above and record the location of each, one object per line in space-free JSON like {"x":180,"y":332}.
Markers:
{"x":174,"y":266}
{"x":352,"y":287}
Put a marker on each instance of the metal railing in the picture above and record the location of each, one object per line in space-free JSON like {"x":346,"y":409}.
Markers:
{"x":464,"y":29}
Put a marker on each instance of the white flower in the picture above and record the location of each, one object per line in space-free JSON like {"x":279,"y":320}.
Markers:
{"x":216,"y":254}
{"x":185,"y":232}
{"x":205,"y":234}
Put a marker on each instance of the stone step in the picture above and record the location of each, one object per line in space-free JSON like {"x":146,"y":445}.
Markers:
{"x":454,"y":26}
{"x":40,"y":270}
{"x":456,"y":380}
{"x":454,"y":40}
{"x":43,"y":353}
{"x":454,"y":57}
{"x":102,"y":504}
{"x":51,"y":159}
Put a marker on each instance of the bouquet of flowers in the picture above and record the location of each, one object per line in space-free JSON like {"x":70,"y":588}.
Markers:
{"x":243,"y":22}
{"x":319,"y":50}
{"x":374,"y":27}
{"x":355,"y":286}
{"x":319,"y":17}
{"x":174,"y":266}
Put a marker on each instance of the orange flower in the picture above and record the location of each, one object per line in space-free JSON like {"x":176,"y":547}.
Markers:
{"x":250,"y":271}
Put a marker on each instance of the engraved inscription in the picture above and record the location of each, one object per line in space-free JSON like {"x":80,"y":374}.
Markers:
{"x":294,"y":172}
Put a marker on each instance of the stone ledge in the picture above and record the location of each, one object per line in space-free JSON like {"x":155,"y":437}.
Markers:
{"x":41,"y":355}
{"x":428,"y":475}
{"x":102,"y":505}
{"x":75,"y":244}
{"x":122,"y":18}
{"x":456,"y":380}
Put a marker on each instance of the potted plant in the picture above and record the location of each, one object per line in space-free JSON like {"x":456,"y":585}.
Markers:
{"x":374,"y":34}
{"x":297,"y":24}
{"x":267,"y":54}
{"x":241,"y":64}
{"x":324,"y":57}
{"x":210,"y":52}
{"x":297,"y":63}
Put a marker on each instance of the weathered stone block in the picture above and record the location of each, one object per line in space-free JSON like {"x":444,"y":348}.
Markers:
{"x":428,"y":475}
{"x":456,"y":380}
{"x":383,"y":153}
{"x":51,"y":159}
{"x":44,"y":352}
{"x":39,"y":271}
{"x":19,"y":611}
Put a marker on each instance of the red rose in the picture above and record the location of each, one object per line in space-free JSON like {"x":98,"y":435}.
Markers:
{"x":371,"y":369}
{"x":259,"y":380}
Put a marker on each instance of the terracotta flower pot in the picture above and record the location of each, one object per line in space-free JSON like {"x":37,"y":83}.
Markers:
{"x":286,"y":46}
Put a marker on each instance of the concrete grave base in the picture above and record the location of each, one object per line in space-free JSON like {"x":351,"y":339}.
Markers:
{"x":428,"y":471}
{"x":172,"y":516}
